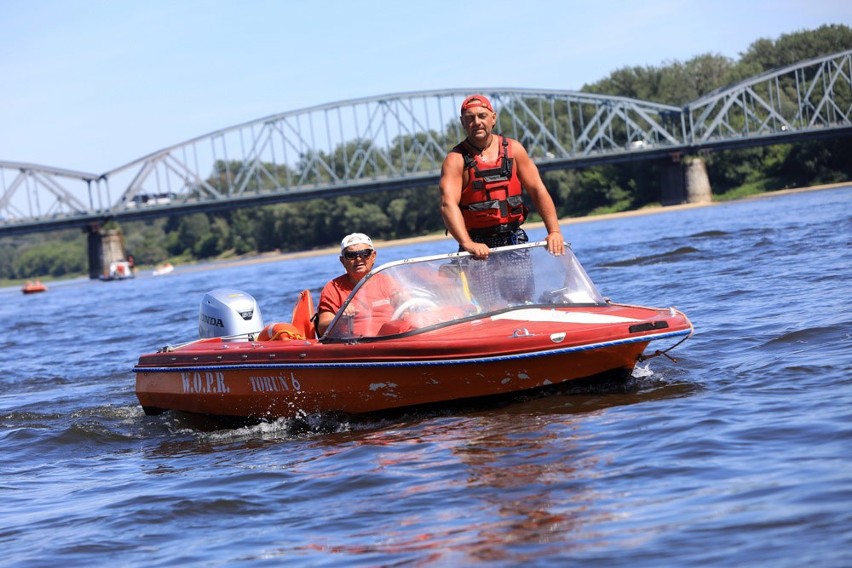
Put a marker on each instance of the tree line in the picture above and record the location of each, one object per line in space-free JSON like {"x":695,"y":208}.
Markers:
{"x":403,"y":213}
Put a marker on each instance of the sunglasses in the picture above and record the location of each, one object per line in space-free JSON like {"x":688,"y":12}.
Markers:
{"x":353,"y":254}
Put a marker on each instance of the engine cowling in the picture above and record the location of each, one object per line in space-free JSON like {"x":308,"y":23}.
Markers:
{"x":226,"y":312}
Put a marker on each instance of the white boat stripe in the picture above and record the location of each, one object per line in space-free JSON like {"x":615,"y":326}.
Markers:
{"x":556,"y":316}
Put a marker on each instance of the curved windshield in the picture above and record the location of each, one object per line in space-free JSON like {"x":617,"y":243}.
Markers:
{"x":421,"y":293}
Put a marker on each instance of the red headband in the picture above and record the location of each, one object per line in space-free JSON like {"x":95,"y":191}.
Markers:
{"x":476,"y":100}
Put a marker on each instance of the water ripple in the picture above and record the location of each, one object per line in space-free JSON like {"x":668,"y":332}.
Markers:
{"x":735,"y":454}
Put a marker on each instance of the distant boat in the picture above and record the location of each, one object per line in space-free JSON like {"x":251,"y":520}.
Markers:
{"x":33,"y":287}
{"x":163,"y":268}
{"x":119,"y":270}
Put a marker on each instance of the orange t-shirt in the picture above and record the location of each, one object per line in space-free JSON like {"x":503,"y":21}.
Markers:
{"x":372,"y":304}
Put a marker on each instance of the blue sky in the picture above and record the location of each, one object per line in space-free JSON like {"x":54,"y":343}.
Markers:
{"x":92,"y":85}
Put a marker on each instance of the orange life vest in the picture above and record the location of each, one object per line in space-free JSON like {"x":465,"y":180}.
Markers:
{"x":491,"y":198}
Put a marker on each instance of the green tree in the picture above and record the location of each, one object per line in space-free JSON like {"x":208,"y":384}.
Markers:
{"x":242,"y":237}
{"x":788,"y":49}
{"x":51,"y":259}
{"x":145,"y":241}
{"x":193,"y":230}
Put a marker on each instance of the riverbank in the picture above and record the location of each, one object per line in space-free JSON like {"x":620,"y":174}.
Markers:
{"x":565,"y":221}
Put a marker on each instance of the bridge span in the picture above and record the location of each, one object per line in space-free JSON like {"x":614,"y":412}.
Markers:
{"x":400,"y":140}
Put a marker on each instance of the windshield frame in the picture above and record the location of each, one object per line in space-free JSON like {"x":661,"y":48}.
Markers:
{"x":335,"y":334}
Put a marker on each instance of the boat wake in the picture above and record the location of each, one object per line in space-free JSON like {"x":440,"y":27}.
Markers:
{"x":576,"y":397}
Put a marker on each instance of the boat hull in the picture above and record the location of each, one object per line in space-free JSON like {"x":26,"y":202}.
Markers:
{"x":291,"y":391}
{"x":472,"y":360}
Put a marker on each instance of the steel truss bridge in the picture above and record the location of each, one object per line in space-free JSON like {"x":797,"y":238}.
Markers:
{"x":400,"y":140}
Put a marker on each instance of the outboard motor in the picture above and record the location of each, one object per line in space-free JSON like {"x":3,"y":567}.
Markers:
{"x":225,"y":312}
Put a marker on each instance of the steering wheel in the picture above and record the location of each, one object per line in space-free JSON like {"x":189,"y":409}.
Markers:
{"x":411,"y":303}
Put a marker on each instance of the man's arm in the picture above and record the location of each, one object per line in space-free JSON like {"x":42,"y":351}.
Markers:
{"x":323,"y":321}
{"x":532,"y":182}
{"x":329,"y":303}
{"x":451,"y":188}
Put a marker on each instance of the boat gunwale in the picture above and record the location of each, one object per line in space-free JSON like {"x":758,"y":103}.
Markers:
{"x":419,"y":362}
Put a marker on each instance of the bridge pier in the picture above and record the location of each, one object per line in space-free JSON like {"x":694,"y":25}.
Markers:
{"x":685,"y":181}
{"x":104,"y":247}
{"x":697,"y":183}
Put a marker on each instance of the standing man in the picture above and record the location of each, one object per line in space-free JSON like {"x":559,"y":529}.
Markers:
{"x":482,"y":180}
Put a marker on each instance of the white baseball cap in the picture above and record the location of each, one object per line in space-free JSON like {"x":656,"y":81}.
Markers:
{"x":355,"y":239}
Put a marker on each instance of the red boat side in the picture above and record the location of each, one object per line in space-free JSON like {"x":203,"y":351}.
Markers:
{"x":295,"y":377}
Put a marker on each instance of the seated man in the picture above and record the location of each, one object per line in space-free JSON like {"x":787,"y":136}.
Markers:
{"x":369,"y":310}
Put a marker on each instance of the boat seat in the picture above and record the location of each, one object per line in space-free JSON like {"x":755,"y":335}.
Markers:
{"x":303,"y":315}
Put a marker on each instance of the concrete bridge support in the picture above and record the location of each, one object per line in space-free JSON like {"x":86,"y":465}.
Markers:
{"x":685,"y":181}
{"x":697,"y":183}
{"x":104,"y":247}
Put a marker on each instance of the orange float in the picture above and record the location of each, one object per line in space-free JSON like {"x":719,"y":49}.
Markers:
{"x":33,"y":287}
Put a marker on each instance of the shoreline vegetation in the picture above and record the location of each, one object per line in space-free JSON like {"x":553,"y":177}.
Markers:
{"x":564,"y":222}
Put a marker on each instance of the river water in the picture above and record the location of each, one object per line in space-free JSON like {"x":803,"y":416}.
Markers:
{"x":736,"y":454}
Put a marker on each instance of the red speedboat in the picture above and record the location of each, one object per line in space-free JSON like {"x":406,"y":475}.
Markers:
{"x":452,"y":328}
